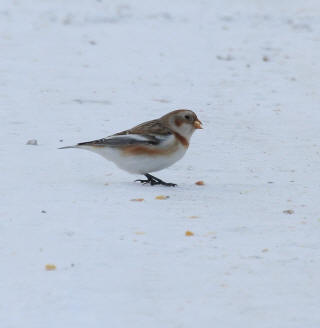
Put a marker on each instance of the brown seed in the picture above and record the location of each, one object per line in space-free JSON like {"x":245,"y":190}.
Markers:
{"x":137,"y":200}
{"x":189,"y":233}
{"x":50,"y":267}
{"x":288,"y":211}
{"x":199,"y":183}
{"x":162,"y":197}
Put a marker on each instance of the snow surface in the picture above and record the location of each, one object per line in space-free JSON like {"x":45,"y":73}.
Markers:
{"x":78,"y":70}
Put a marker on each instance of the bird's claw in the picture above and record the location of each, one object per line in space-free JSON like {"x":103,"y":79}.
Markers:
{"x":142,"y":181}
{"x":155,"y":181}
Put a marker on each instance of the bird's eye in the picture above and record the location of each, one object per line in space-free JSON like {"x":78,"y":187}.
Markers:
{"x":187,"y":117}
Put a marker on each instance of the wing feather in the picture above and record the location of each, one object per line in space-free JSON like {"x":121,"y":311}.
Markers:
{"x":148,"y":133}
{"x":125,"y":140}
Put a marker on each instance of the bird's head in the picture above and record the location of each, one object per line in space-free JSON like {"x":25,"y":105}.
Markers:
{"x":182,"y":121}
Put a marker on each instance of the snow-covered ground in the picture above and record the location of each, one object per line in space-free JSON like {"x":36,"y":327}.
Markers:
{"x":77,"y":70}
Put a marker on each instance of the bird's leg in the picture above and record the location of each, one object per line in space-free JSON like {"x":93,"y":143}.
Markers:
{"x":155,"y":181}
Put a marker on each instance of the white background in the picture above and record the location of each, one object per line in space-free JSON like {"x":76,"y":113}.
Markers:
{"x":77,"y":70}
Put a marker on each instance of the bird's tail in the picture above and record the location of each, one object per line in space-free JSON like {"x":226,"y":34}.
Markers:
{"x":66,"y":147}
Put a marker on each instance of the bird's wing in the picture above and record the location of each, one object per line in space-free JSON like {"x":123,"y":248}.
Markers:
{"x":151,"y":127}
{"x":148,"y":133}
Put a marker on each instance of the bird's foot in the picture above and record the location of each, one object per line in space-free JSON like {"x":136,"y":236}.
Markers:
{"x":155,"y":181}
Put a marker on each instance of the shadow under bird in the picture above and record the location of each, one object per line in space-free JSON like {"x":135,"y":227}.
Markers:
{"x":148,"y":147}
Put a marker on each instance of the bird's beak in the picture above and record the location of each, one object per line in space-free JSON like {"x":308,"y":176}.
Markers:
{"x":197,"y":124}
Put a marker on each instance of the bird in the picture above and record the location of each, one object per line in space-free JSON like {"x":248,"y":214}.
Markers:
{"x":148,"y":147}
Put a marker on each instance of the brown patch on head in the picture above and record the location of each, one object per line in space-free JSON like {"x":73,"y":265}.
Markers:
{"x":182,"y":140}
{"x":178,"y":122}
{"x":180,"y":117}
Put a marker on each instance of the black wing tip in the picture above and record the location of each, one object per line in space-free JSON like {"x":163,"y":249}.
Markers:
{"x":88,"y":143}
{"x":83,"y":143}
{"x":66,"y":147}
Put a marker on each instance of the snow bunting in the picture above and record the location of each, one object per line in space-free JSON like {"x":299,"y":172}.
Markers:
{"x":150,"y":146}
